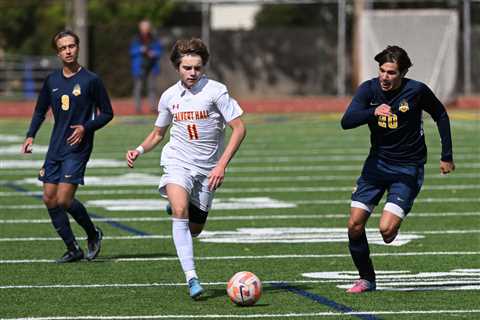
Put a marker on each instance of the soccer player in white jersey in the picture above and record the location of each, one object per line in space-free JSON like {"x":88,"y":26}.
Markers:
{"x":194,"y":160}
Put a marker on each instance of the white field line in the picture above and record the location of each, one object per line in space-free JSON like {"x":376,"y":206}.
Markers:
{"x":352,"y":178}
{"x":420,"y":200}
{"x":166,"y":236}
{"x":322,"y":158}
{"x":242,"y":169}
{"x":264,"y":257}
{"x":300,"y":202}
{"x":243,"y":190}
{"x":414,"y":281}
{"x":236,"y":218}
{"x":252,"y":316}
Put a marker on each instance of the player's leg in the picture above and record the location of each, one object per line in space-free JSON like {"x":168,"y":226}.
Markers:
{"x":152,"y":92}
{"x":389,"y":224}
{"x":368,"y":192}
{"x":359,"y":249}
{"x":137,"y":94}
{"x":182,"y":238}
{"x":50,"y":176}
{"x":73,"y":175}
{"x":401,"y":195}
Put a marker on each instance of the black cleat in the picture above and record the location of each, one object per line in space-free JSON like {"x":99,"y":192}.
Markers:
{"x":94,"y":245}
{"x":71,"y":256}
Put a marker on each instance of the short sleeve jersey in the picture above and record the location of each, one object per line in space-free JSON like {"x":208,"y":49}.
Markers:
{"x":198,"y":117}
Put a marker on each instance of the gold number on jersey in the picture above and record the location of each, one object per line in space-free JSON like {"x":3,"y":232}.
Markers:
{"x":390,"y":122}
{"x":65,"y":102}
{"x":192,"y":131}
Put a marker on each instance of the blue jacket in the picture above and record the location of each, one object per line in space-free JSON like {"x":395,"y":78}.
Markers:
{"x":141,"y":65}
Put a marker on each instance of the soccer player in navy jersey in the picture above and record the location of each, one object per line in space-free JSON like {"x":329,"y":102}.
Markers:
{"x":80,"y":105}
{"x":392,"y":107}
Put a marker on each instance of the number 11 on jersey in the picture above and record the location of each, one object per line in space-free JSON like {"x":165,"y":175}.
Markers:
{"x":192,"y":131}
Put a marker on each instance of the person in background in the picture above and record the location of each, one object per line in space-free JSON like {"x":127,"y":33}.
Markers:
{"x":145,"y":53}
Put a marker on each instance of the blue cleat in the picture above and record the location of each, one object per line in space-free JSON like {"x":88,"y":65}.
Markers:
{"x":195,"y":288}
{"x":168,"y":209}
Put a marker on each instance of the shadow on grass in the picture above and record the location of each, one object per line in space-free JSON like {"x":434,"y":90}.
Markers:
{"x":267,"y":289}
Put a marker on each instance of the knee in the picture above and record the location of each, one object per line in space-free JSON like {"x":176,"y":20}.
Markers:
{"x":64,"y":203}
{"x":49,"y":201}
{"x":179,"y":211}
{"x":389,"y":233}
{"x":355,"y":228}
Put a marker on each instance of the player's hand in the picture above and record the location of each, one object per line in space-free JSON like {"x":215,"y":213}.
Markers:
{"x":77,"y":135}
{"x":383,"y":110}
{"x":446,"y":167}
{"x":131,"y":156}
{"x":27,"y":145}
{"x":215,"y":178}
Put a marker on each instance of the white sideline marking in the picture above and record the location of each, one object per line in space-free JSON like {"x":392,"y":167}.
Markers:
{"x":144,"y":179}
{"x":36,"y":164}
{"x":129,"y":180}
{"x":267,"y":257}
{"x":154,"y":284}
{"x":424,"y":200}
{"x":93,"y":163}
{"x":252,"y":316}
{"x":270,"y":235}
{"x":231,"y":218}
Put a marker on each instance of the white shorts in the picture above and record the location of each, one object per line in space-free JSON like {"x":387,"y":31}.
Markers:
{"x":195,"y":183}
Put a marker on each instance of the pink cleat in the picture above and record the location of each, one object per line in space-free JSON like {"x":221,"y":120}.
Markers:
{"x":361,"y":286}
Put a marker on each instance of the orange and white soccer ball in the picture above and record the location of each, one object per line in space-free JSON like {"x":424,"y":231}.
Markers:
{"x":244,"y":288}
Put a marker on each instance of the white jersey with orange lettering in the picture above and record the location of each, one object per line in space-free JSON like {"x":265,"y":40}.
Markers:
{"x":198,"y":117}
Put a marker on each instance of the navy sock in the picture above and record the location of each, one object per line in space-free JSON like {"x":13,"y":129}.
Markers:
{"x":62,"y":225}
{"x":79,"y":213}
{"x":361,"y":257}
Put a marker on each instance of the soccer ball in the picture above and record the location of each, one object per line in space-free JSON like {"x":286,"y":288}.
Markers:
{"x":244,"y":288}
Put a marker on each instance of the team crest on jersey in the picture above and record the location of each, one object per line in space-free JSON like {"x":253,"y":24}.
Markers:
{"x":77,"y":90}
{"x":65,"y":102}
{"x":403,"y":106}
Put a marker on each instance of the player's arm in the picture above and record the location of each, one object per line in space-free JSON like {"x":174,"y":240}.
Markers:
{"x":359,"y":111}
{"x":41,"y":108}
{"x":216,"y":176}
{"x":150,"y":142}
{"x":439,"y":114}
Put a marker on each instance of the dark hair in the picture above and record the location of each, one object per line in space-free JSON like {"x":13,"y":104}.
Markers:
{"x":184,"y":47}
{"x":397,"y":55}
{"x":64,"y":33}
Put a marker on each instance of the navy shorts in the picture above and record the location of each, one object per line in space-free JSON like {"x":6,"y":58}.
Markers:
{"x":403,"y":183}
{"x":63,"y":171}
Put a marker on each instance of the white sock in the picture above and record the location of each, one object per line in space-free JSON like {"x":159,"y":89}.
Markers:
{"x":190,"y":274}
{"x":184,"y":245}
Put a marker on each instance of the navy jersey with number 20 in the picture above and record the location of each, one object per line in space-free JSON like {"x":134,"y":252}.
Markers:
{"x":399,"y":138}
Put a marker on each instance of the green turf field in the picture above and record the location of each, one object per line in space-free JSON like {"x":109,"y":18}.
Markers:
{"x":281,"y":214}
